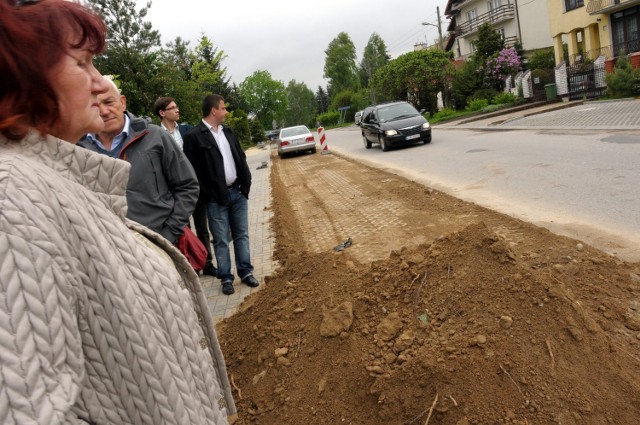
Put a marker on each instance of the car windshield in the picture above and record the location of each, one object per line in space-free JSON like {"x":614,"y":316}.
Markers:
{"x":394,"y":112}
{"x":293,"y":131}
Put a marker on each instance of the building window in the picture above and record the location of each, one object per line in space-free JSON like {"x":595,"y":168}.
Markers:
{"x":472,"y":17}
{"x":573,"y":4}
{"x":624,"y":30}
{"x":502,"y":34}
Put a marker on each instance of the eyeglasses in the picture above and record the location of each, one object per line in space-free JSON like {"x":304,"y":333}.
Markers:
{"x":20,"y":3}
{"x":170,"y":109}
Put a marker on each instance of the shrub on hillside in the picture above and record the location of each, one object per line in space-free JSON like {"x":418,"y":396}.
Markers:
{"x":443,"y":113}
{"x":502,"y":98}
{"x":329,"y":118}
{"x":624,"y":81}
{"x":477,"y":104}
{"x":487,"y":94}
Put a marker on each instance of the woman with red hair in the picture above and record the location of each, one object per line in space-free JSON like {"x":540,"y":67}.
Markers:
{"x":101,"y":320}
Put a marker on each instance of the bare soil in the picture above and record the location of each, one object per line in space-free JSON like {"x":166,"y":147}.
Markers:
{"x":440,"y":312}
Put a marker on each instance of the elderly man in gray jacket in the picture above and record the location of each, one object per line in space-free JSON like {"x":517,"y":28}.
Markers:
{"x":162,"y":189}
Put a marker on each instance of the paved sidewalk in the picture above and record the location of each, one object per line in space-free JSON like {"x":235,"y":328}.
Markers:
{"x":260,"y":238}
{"x":623,"y":114}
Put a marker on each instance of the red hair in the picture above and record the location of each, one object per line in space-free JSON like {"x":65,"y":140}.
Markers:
{"x":35,"y":37}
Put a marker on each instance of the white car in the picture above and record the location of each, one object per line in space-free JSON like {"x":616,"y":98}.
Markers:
{"x":295,"y":139}
{"x":358,"y":117}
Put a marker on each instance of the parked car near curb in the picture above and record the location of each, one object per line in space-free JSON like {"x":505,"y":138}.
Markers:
{"x":295,"y":139}
{"x":393,"y":124}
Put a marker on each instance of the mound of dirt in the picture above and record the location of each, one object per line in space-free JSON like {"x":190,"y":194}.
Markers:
{"x":474,"y":327}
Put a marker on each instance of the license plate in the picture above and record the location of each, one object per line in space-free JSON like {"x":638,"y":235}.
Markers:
{"x":297,"y":141}
{"x":413,"y":136}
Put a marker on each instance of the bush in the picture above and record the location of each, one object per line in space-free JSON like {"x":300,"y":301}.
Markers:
{"x":624,"y":81}
{"x":542,"y":59}
{"x":329,"y":118}
{"x":444,"y":113}
{"x":503,"y":98}
{"x":477,"y":104}
{"x":487,"y":94}
{"x":465,"y":82}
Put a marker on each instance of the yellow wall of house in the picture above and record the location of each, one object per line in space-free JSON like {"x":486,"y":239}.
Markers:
{"x":595,"y":33}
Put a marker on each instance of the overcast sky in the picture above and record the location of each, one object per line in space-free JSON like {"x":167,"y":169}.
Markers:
{"x":288,"y":38}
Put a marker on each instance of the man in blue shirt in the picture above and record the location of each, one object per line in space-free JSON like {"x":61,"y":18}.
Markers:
{"x":162,"y":189}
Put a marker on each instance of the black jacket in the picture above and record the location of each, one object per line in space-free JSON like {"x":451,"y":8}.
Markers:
{"x":202,"y":150}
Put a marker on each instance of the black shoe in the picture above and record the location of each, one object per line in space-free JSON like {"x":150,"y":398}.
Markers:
{"x":209,"y":270}
{"x":250,"y":281}
{"x":227,"y":288}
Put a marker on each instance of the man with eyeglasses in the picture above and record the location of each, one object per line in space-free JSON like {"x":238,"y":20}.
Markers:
{"x":169,"y":114}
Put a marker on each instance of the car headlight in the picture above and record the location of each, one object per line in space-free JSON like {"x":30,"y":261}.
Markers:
{"x":425,"y":125}
{"x":390,"y":132}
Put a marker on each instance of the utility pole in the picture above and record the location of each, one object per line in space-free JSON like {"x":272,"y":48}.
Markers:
{"x":439,"y":26}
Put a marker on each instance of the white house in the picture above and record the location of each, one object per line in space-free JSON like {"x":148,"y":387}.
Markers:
{"x":526,"y":21}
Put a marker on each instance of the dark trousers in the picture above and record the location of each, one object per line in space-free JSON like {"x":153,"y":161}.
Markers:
{"x":202,"y":227}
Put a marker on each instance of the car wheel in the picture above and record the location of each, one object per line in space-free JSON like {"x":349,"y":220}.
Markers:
{"x":367,"y":143}
{"x":314,"y":150}
{"x":383,"y":144}
{"x":427,"y":141}
{"x":280,"y":154}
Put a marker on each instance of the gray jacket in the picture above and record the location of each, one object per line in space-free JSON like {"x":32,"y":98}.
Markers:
{"x":103,"y":320}
{"x":162,"y":189}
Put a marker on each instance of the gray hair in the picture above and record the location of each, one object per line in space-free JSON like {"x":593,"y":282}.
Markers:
{"x":111,"y":80}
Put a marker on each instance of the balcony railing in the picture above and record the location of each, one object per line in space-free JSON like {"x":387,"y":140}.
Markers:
{"x":508,"y":42}
{"x":596,"y":7}
{"x":609,"y":52}
{"x":498,"y":14}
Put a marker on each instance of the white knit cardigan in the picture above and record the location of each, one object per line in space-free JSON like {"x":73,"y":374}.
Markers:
{"x":96,"y":326}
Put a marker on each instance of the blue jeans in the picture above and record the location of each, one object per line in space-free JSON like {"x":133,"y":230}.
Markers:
{"x":234,"y":217}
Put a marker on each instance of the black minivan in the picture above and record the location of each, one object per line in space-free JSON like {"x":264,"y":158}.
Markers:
{"x":394,"y":124}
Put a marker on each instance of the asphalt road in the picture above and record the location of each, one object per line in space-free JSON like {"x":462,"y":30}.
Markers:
{"x":583,"y":184}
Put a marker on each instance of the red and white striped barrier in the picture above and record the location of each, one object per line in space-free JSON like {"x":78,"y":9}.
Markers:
{"x":324,"y":149}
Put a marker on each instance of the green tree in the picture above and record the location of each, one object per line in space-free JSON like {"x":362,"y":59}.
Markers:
{"x":207,"y":69}
{"x":301,"y":107}
{"x":239,"y":122}
{"x":322,"y":101}
{"x":257,"y":131}
{"x":466,"y":81}
{"x":176,"y":62}
{"x":374,"y":56}
{"x":341,"y":100}
{"x":489,"y":42}
{"x":340,"y":66}
{"x":361,"y":99}
{"x":416,"y":77}
{"x":132,"y":52}
{"x":265,"y":97}
{"x":542,"y":59}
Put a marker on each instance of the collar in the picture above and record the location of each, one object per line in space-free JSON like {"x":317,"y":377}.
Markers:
{"x":123,"y":134}
{"x":210,"y":127}
{"x":169,"y":131}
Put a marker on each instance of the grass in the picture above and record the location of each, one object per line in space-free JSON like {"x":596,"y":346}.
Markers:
{"x":438,"y":118}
